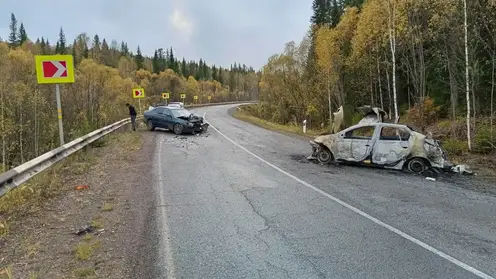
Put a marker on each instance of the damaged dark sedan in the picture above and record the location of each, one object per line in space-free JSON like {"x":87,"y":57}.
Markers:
{"x":176,"y":119}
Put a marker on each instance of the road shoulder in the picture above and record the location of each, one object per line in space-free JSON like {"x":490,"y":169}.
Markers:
{"x":40,"y":239}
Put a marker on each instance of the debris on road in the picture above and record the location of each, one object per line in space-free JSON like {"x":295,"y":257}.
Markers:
{"x":84,"y":230}
{"x":82,"y":187}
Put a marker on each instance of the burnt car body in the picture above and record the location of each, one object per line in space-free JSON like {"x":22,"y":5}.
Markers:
{"x":387,"y":145}
{"x":174,"y":118}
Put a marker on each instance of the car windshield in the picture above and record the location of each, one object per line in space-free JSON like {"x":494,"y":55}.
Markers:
{"x":180,"y":112}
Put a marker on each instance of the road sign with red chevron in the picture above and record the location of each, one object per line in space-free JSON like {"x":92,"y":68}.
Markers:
{"x":138,"y":93}
{"x":54,"y":68}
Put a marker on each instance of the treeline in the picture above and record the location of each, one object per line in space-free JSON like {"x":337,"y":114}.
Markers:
{"x":105,"y":76}
{"x":407,"y":57}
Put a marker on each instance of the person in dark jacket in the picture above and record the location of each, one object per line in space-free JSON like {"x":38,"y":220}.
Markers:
{"x":132,"y":114}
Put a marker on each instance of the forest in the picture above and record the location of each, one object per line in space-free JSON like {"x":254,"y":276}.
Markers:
{"x":106,"y":73}
{"x":429,"y":62}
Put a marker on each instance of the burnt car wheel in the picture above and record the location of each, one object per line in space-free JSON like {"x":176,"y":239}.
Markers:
{"x":150,"y":126}
{"x":178,"y":129}
{"x":324,"y":156}
{"x":417,"y":165}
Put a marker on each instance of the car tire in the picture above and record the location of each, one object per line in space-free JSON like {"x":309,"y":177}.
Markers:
{"x":149,"y":125}
{"x":324,"y":156}
{"x":417,"y":165}
{"x":178,"y":129}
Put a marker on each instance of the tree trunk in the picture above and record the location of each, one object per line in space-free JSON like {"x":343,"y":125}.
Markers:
{"x":20,"y":134}
{"x":389,"y":92}
{"x":329,"y":100}
{"x":2,"y":105}
{"x":36,"y":123}
{"x":392,"y":43}
{"x":469,"y":141}
{"x":371,"y":87}
{"x":492,"y":98}
{"x":380,"y":83}
{"x":453,"y":83}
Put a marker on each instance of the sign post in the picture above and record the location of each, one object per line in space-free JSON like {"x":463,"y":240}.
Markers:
{"x":209,"y":97}
{"x":196,"y":99}
{"x":183,"y":96}
{"x":166,"y":96}
{"x":139,"y":93}
{"x":55,"y":69}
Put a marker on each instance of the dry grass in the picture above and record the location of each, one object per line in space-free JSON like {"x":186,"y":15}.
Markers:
{"x":84,"y":250}
{"x":48,"y":184}
{"x":107,"y":207}
{"x":84,"y":272}
{"x":245,"y":116}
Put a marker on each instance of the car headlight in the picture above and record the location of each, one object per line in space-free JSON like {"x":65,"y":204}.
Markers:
{"x":190,"y":124}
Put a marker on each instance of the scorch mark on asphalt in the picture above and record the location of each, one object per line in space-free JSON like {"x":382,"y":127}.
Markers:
{"x":359,"y":212}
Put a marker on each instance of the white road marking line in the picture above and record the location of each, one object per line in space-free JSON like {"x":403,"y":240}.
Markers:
{"x":361,"y":213}
{"x":166,"y":243}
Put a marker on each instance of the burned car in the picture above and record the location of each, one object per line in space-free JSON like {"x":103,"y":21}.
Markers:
{"x":388,"y":145}
{"x":174,"y":118}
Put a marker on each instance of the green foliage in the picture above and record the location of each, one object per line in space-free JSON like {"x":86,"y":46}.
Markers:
{"x":455,"y":146}
{"x":484,"y":142}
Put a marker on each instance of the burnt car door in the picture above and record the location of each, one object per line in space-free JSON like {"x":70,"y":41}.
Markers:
{"x":392,"y":146}
{"x":354,"y":144}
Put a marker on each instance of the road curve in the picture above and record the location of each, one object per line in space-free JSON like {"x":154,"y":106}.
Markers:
{"x":241,"y":202}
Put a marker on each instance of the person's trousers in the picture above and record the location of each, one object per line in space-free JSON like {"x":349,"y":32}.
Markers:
{"x":133,"y":122}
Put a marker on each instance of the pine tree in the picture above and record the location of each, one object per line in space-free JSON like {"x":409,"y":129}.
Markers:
{"x":221,"y":79}
{"x":96,"y":48}
{"x":74,"y":52}
{"x":43,"y":46}
{"x":23,"y":37}
{"x":206,"y":74}
{"x":139,"y":59}
{"x":48,"y":48}
{"x":105,"y":55}
{"x":184,"y":70}
{"x":13,"y":40}
{"x":156,"y":63}
{"x":86,"y":51}
{"x":214,"y":72}
{"x":124,"y":49}
{"x":61,"y":44}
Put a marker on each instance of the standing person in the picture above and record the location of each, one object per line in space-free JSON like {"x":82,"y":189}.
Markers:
{"x":132,"y":114}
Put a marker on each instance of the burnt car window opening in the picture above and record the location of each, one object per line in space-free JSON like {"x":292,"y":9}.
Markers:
{"x":361,"y":133}
{"x":180,"y":112}
{"x":391,"y":133}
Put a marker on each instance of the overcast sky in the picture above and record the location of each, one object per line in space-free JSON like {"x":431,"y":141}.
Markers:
{"x":221,"y":32}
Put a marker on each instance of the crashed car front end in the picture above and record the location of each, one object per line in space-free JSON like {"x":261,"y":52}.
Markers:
{"x":195,"y":124}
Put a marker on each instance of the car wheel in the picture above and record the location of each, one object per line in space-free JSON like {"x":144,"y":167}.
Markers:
{"x":150,"y":126}
{"x":178,"y":129}
{"x":324,"y":156}
{"x":417,"y":165}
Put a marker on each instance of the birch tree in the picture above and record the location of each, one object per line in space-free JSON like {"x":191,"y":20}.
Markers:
{"x":467,"y":81}
{"x":391,"y":7}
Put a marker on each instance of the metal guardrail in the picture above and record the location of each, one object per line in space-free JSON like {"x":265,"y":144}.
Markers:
{"x":20,"y":174}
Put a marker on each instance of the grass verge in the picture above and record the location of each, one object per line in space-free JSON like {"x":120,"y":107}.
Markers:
{"x":245,"y":116}
{"x":50,"y":183}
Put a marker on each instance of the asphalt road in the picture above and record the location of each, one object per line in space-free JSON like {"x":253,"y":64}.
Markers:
{"x":242,"y":202}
